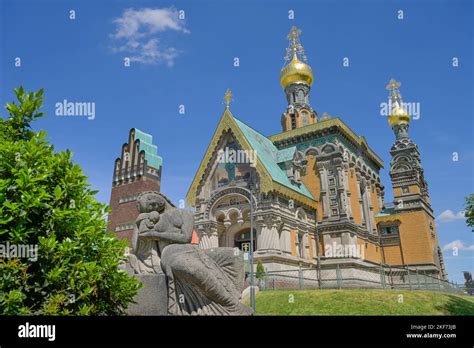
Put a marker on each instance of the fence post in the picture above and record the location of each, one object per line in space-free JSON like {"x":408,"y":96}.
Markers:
{"x":382,"y":276}
{"x":408,"y":276}
{"x":300,"y":278}
{"x":338,"y":276}
{"x":417,"y":277}
{"x":391,"y":276}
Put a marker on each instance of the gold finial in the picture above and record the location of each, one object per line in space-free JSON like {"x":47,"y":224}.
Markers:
{"x":228,"y":98}
{"x":398,"y":113}
{"x":394,"y":93}
{"x":295,"y":48}
{"x":393,"y":84}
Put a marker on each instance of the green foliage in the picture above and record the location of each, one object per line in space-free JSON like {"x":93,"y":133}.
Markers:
{"x":469,"y":212}
{"x":45,"y":201}
{"x":260,"y":274}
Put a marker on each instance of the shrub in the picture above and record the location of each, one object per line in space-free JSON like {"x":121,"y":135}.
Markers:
{"x":46,"y":202}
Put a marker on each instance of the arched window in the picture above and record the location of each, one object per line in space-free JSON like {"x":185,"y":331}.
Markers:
{"x":300,"y":96}
{"x":305,"y":119}
{"x":293,"y":121}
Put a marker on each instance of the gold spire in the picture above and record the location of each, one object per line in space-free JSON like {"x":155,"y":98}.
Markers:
{"x":398,"y":114}
{"x":228,"y":98}
{"x":295,"y":71}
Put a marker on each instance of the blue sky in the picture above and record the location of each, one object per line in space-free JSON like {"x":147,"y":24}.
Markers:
{"x":190,"y":62}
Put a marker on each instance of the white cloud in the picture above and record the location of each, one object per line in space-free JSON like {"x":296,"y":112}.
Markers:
{"x":449,"y":215}
{"x":459,"y":245}
{"x":137,"y":30}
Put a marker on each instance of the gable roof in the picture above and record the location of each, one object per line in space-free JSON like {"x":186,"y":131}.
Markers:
{"x":272,"y":176}
{"x":270,"y":156}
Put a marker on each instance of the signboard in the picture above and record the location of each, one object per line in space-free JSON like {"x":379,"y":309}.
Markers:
{"x":246,"y":247}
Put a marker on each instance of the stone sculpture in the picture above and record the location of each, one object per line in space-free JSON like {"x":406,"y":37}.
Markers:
{"x":199,"y":282}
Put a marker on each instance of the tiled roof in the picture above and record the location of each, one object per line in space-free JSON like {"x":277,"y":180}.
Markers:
{"x":270,"y":156}
{"x":151,"y":151}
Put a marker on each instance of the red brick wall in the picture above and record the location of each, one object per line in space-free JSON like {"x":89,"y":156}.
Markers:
{"x":128,"y":212}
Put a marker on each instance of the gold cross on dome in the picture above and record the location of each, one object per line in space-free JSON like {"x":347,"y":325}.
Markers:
{"x":393,"y":84}
{"x":228,"y":97}
{"x":294,"y":33}
{"x":295,"y":48}
{"x":394,"y":92}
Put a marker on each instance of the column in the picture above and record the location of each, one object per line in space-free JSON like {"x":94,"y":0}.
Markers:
{"x":209,"y":237}
{"x":214,"y":237}
{"x":324,"y":190}
{"x":269,"y":239}
{"x":341,"y":190}
{"x":285,"y":240}
{"x":204,"y":236}
{"x":348,"y":192}
{"x":370,"y":207}
{"x":361,"y":198}
{"x":204,"y":241}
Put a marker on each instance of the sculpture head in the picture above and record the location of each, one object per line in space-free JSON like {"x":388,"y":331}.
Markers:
{"x":152,"y":201}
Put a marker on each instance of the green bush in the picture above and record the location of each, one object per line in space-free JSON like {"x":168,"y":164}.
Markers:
{"x":469,"y":212}
{"x":260,"y":274}
{"x":45,"y":201}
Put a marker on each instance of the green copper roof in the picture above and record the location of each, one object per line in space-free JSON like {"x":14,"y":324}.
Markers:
{"x":269,"y":155}
{"x":146,"y":144}
{"x":286,"y":154}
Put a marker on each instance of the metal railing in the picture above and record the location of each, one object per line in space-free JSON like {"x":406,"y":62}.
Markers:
{"x":338,"y":277}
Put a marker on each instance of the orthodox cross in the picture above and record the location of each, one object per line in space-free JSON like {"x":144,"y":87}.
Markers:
{"x":228,"y":98}
{"x":393,"y":88}
{"x":295,"y":45}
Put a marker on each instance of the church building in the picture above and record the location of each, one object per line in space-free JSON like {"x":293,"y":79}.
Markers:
{"x":316,"y":192}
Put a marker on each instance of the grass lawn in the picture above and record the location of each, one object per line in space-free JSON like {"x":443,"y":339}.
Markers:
{"x":362,"y":302}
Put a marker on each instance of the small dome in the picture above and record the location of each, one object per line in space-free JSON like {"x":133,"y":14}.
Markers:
{"x":398,"y":115}
{"x":296,"y":72}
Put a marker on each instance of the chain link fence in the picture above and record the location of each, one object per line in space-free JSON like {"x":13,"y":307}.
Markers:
{"x":338,"y":277}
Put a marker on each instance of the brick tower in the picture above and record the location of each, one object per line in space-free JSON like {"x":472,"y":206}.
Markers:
{"x":416,"y":225}
{"x":138,"y":169}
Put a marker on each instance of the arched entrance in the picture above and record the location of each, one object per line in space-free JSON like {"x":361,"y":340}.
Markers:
{"x":242,"y":240}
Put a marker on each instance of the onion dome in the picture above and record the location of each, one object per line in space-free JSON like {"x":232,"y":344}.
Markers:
{"x":296,"y":71}
{"x":398,"y":115}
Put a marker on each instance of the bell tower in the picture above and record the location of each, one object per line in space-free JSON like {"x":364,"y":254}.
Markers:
{"x":137,"y":170}
{"x":417,"y":230}
{"x":406,"y":172}
{"x":296,"y":79}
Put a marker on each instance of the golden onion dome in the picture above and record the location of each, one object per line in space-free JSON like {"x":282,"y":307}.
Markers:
{"x":398,"y":115}
{"x":296,"y":72}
